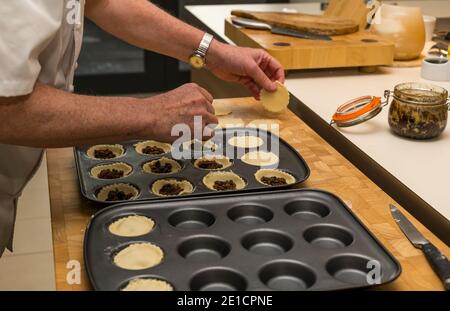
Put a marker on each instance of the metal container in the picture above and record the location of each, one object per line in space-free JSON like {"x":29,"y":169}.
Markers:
{"x":290,"y":161}
{"x":284,"y":240}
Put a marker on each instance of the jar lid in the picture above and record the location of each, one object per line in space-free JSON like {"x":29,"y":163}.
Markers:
{"x":357,"y":110}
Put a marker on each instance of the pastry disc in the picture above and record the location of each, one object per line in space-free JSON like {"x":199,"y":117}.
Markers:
{"x":147,"y":285}
{"x":115,"y":150}
{"x":139,"y":256}
{"x":131,"y":226}
{"x":203,"y":162}
{"x":158,"y":147}
{"x":159,"y":186}
{"x":127,"y":189}
{"x":226,"y":122}
{"x":246,"y":141}
{"x":276,"y":101}
{"x":273,"y":177}
{"x":270,"y":125}
{"x":158,"y":166}
{"x":211,"y":178}
{"x":260,"y":158}
{"x":221,"y":109}
{"x":99,"y":170}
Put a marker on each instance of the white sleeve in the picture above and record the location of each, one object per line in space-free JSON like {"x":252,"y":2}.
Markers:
{"x":26,"y":28}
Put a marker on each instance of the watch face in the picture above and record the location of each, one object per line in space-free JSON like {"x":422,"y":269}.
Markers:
{"x":197,"y":61}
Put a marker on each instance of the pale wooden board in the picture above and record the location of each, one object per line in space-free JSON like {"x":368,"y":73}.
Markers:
{"x":343,"y":51}
{"x":329,"y":171}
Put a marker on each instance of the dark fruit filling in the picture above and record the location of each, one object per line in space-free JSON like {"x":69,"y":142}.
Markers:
{"x":170,"y":189}
{"x":104,"y":154}
{"x":209,"y":165}
{"x":110,"y":174}
{"x":220,"y":185}
{"x":118,"y":195}
{"x":157,"y":168}
{"x":153,"y":150}
{"x":274,"y":181}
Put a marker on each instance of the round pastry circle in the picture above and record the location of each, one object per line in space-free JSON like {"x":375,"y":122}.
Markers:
{"x":139,"y":256}
{"x":120,"y":166}
{"x":117,"y":149}
{"x":265,"y":124}
{"x":227,"y":122}
{"x":260,"y":158}
{"x":147,"y":285}
{"x":152,"y":143}
{"x":184,"y":184}
{"x":246,"y":141}
{"x":276,"y":101}
{"x":225,"y":161}
{"x":274,"y":173}
{"x":212,"y":177}
{"x":176,"y":167}
{"x":131,"y":226}
{"x":102,"y":194}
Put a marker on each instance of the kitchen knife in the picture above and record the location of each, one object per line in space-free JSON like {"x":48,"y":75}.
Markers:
{"x":252,"y":24}
{"x":437,"y":260}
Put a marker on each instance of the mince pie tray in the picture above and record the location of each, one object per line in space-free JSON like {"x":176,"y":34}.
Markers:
{"x":290,"y":161}
{"x":301,"y":239}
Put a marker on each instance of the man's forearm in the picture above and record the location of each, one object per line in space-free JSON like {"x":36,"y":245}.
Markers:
{"x":52,"y":118}
{"x":143,"y":24}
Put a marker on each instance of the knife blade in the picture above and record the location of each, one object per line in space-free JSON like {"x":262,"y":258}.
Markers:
{"x":435,"y":257}
{"x":252,"y":24}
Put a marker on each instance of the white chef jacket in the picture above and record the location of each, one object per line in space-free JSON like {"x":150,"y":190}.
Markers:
{"x":39,"y":40}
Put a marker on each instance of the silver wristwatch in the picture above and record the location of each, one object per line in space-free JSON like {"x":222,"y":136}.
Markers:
{"x":198,"y":58}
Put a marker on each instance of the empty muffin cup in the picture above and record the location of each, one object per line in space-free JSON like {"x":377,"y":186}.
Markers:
{"x":152,"y":148}
{"x":105,"y":152}
{"x":162,"y":166}
{"x":204,"y":249}
{"x":328,"y":236}
{"x":139,"y":256}
{"x":117,"y":192}
{"x":250,"y":214}
{"x":223,"y":181}
{"x":306,"y":209}
{"x":171,"y":187}
{"x":267,"y":242}
{"x":111,"y":171}
{"x":218,"y":279}
{"x":191,"y":218}
{"x":287,"y":275}
{"x":350,"y":269}
{"x":147,"y":284}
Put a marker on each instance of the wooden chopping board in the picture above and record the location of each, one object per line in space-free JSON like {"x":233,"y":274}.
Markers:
{"x":324,"y":25}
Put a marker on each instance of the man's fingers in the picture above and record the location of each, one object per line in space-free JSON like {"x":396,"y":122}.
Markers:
{"x":205,"y":93}
{"x":276,"y":70}
{"x":260,"y":78}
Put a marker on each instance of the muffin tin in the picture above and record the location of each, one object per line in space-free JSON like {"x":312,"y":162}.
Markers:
{"x":301,"y":239}
{"x":289,"y":161}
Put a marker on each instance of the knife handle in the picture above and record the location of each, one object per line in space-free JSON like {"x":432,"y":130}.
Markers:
{"x":439,"y":263}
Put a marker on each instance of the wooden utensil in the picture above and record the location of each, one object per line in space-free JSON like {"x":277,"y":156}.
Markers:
{"x":316,"y":24}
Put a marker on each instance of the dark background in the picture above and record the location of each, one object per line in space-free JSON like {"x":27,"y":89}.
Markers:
{"x":110,"y":66}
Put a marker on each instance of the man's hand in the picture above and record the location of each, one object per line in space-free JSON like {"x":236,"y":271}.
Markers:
{"x":254,"y":68}
{"x":179,"y":106}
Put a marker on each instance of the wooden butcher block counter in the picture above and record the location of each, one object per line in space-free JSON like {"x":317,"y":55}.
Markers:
{"x":329,"y":171}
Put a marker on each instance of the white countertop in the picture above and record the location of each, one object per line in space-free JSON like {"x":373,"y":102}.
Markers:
{"x":423,"y":166}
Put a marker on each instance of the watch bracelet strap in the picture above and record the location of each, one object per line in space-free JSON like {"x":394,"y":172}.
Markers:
{"x":204,"y":44}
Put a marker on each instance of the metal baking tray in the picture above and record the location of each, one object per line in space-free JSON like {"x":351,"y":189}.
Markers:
{"x":300,"y":239}
{"x":290,"y":161}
